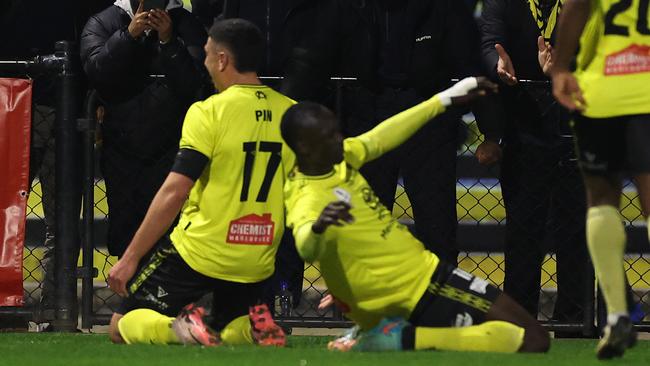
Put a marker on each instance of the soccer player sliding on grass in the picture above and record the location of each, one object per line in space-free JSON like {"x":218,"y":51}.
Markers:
{"x":400,"y":295}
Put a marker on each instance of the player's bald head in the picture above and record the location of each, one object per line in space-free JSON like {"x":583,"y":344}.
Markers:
{"x":302,"y":120}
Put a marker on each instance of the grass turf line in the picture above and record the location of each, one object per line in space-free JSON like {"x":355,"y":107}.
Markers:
{"x":92,"y":349}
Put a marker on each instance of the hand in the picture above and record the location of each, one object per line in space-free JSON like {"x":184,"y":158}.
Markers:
{"x":332,"y":215}
{"x":544,"y":55}
{"x":162,"y":23}
{"x":345,"y":342}
{"x":488,"y":152}
{"x":329,"y":300}
{"x":505,"y":69}
{"x":326,"y":302}
{"x":120,"y":274}
{"x":140,"y":22}
{"x":467,"y":90}
{"x":567,"y":91}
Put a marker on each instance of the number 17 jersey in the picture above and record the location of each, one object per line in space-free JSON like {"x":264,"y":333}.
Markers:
{"x":614,"y":61}
{"x":231,"y":225}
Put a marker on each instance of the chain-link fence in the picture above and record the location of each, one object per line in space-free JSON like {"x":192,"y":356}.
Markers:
{"x":39,"y":242}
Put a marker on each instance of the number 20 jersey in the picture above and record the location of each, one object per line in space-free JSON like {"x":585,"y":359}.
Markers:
{"x":231,"y":225}
{"x":613,"y":66}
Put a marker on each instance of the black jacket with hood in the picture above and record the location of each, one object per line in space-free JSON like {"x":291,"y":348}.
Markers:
{"x":146,"y":89}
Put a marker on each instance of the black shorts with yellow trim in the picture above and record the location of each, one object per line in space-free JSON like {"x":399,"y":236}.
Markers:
{"x":454,"y":298}
{"x":613,"y":146}
{"x":166,"y":283}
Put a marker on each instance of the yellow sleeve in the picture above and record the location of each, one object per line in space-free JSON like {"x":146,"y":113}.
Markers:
{"x":308,"y":243}
{"x":302,"y":211}
{"x":198,"y":130}
{"x":390,"y":133}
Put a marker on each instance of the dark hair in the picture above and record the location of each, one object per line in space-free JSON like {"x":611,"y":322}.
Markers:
{"x":243,"y":39}
{"x":302,"y":115}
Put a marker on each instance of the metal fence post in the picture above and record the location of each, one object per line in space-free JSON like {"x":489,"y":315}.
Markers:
{"x":87,"y":272}
{"x":589,"y":325}
{"x":67,"y":192}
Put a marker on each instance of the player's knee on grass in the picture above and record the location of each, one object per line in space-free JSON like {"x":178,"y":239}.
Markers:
{"x":536,"y":338}
{"x":114,"y":331}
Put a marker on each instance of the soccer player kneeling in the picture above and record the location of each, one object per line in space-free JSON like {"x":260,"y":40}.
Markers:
{"x":400,"y":294}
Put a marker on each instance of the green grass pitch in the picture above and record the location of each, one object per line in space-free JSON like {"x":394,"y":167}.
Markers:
{"x":95,"y":349}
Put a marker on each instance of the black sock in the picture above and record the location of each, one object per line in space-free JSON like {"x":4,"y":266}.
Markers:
{"x":408,"y":337}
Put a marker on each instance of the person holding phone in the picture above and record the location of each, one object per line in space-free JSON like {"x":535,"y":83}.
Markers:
{"x":121,"y":48}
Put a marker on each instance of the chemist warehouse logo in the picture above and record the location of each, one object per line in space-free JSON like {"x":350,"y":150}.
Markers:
{"x":631,"y":60}
{"x":252,"y":230}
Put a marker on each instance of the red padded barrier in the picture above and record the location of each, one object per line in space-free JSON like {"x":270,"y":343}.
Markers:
{"x":15,"y":124}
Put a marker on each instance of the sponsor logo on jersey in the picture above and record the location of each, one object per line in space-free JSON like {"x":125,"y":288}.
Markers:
{"x":342,"y":195}
{"x":423,"y":38}
{"x":251,"y":229}
{"x":631,"y":60}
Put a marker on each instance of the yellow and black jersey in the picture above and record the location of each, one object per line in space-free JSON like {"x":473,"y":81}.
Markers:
{"x":614,"y":61}
{"x":373,"y":265}
{"x":232,"y":222}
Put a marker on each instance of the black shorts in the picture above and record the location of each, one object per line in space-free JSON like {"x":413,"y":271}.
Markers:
{"x":454,"y":298}
{"x":165,"y":283}
{"x":617,"y":145}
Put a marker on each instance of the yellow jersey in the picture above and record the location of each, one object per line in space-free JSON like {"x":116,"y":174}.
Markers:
{"x":374,"y":265}
{"x":233,"y":220}
{"x":613,"y":66}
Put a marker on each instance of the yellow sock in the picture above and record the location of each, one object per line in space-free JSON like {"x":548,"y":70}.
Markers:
{"x":237,"y":332}
{"x":492,"y":336}
{"x":146,"y":326}
{"x":606,"y":241}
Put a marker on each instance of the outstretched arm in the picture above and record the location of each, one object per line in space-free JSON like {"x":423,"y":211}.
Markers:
{"x":397,"y":129}
{"x":575,"y":15}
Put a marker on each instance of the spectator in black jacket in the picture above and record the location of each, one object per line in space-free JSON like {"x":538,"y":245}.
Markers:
{"x":121,"y":47}
{"x":540,"y":181}
{"x":401,"y":52}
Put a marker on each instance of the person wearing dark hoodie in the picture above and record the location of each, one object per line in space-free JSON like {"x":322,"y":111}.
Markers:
{"x":147,"y":67}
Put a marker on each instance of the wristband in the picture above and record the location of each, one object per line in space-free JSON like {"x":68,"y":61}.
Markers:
{"x":459,"y":89}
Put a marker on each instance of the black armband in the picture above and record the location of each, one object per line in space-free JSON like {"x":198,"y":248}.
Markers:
{"x":190,"y":163}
